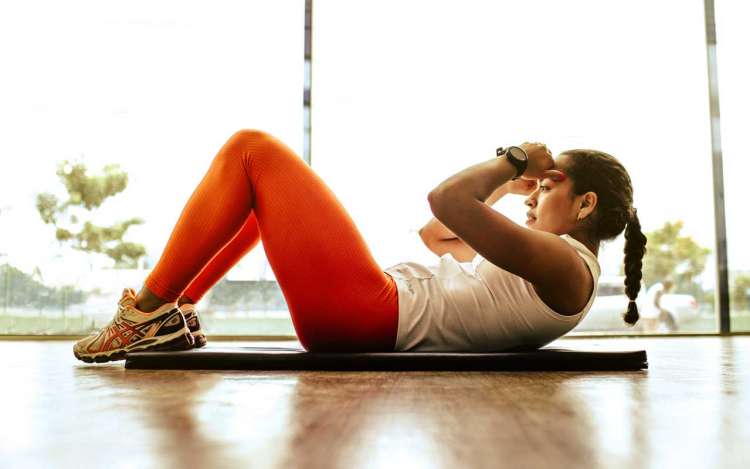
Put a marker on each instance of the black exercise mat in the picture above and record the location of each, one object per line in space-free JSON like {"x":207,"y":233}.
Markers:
{"x":281,"y":358}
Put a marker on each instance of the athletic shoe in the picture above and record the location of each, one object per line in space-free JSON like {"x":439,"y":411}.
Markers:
{"x":133,"y":330}
{"x":191,"y":316}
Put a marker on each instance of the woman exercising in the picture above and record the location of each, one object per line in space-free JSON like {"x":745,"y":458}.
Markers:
{"x":524,"y":289}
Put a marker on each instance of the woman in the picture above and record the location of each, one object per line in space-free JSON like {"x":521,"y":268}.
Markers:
{"x":526,"y":288}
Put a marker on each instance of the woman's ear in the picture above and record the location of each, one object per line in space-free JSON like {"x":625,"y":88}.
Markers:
{"x":588,"y":204}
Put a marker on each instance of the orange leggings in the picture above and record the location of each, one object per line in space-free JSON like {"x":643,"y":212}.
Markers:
{"x":257,"y":187}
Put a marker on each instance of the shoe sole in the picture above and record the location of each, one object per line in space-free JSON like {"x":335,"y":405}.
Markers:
{"x":180,"y":340}
{"x":199,"y":338}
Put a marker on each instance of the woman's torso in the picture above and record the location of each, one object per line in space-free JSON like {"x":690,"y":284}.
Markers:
{"x":477,"y":306}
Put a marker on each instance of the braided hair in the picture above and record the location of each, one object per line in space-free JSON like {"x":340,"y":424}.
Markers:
{"x":599,"y":172}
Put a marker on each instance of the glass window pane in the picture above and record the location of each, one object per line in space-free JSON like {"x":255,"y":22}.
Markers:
{"x":397,"y":113}
{"x":155,"y":87}
{"x":734,"y":76}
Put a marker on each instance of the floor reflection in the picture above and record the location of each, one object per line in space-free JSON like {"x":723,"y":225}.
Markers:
{"x":689,"y":409}
{"x":433,"y":419}
{"x":612,"y":405}
{"x":734,"y":402}
{"x":156,"y":412}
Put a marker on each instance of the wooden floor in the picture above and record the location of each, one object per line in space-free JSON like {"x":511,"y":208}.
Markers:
{"x":691,"y":408}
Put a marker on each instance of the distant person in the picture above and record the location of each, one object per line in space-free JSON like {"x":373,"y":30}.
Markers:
{"x":529,"y":287}
{"x":654,"y":313}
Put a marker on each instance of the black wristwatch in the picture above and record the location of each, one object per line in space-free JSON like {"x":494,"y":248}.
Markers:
{"x":517,"y":157}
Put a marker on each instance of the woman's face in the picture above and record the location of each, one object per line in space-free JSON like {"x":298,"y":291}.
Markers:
{"x":552,"y":206}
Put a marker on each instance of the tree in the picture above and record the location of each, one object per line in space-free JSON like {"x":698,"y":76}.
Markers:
{"x":247,"y":295}
{"x":22,"y":289}
{"x":88,"y":193}
{"x":741,"y":293}
{"x":671,"y":255}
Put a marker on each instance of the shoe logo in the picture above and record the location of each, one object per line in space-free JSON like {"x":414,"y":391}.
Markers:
{"x":151,"y":331}
{"x":124,"y":332}
{"x":174,"y":320}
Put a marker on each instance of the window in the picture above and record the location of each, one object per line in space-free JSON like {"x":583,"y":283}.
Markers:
{"x":156,"y":87}
{"x":395,"y":114}
{"x":734,"y":75}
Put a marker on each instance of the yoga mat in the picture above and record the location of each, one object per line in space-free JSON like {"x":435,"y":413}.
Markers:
{"x":282,"y":358}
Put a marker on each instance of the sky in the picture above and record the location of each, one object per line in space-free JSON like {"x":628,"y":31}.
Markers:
{"x":404,"y":94}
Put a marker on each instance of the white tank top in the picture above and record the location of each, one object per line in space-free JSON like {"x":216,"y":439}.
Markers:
{"x":476,"y":306}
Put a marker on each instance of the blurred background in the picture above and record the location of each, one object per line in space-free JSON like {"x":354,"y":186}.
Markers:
{"x":111,"y":112}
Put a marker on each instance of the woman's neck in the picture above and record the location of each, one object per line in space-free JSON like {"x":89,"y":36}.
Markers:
{"x":592,"y":245}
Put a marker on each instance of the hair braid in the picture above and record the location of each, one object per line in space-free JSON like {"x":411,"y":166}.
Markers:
{"x":635,"y":248}
{"x":599,"y":172}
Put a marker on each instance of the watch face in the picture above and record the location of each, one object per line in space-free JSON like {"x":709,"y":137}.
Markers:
{"x":517,"y":153}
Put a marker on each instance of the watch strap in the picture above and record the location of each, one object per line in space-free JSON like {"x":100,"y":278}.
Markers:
{"x":520,"y":165}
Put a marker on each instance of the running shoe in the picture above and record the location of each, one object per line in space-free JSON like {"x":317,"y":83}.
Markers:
{"x":194,"y":324}
{"x":133,"y":330}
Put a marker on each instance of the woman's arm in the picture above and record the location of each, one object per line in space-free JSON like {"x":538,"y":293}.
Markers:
{"x":542,"y":258}
{"x":440,"y":240}
{"x":434,"y":230}
{"x":460,"y":251}
{"x":545,"y":260}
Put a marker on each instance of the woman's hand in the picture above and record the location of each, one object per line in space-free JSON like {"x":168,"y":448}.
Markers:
{"x":541,"y":164}
{"x":521,"y":186}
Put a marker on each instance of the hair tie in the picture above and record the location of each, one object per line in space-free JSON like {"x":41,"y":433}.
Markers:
{"x":632,"y":213}
{"x":631,"y":301}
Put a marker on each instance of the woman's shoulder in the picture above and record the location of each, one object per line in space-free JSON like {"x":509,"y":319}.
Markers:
{"x":589,"y":257}
{"x":574,"y":283}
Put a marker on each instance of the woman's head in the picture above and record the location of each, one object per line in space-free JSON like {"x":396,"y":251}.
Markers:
{"x":594,"y":202}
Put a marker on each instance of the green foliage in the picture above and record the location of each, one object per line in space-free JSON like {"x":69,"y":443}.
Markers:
{"x":126,"y":254}
{"x":46,"y":205}
{"x":741,"y":293}
{"x":247,"y":295}
{"x":21,"y":289}
{"x":89,"y":192}
{"x":671,"y":255}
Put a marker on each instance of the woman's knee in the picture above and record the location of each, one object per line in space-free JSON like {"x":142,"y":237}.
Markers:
{"x":246,"y":138}
{"x":259,"y":149}
{"x":242,"y":147}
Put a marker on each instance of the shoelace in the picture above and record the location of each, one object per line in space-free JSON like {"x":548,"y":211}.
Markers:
{"x":120,"y":309}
